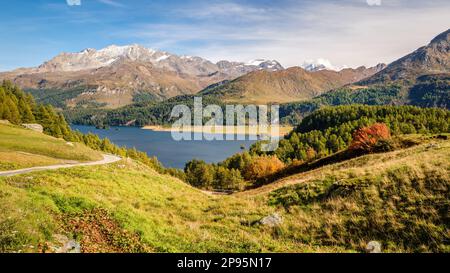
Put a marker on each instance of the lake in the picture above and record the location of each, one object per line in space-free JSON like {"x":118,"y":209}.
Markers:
{"x":171,"y":153}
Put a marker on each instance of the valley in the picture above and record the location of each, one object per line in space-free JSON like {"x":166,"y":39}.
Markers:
{"x":147,"y":211}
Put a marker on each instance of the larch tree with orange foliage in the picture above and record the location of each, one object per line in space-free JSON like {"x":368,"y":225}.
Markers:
{"x":262,"y":167}
{"x":367,"y":137}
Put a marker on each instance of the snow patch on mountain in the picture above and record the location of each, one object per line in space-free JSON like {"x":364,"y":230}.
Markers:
{"x":163,"y":57}
{"x":190,"y":65}
{"x":320,"y":64}
{"x":256,"y":62}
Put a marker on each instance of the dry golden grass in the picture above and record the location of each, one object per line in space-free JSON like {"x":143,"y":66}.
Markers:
{"x":367,"y":164}
{"x":10,"y":160}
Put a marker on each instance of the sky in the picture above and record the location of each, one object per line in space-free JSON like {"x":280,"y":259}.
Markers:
{"x":344,"y":32}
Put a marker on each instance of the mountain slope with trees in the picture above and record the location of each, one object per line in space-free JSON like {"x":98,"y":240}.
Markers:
{"x":292,"y":84}
{"x":18,"y":107}
{"x":324,"y":133}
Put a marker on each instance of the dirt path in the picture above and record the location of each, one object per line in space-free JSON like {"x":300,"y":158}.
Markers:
{"x":107,"y":159}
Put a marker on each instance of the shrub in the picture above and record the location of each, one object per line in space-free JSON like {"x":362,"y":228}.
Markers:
{"x":367,"y":137}
{"x":199,"y":174}
{"x":226,"y":179}
{"x":262,"y":167}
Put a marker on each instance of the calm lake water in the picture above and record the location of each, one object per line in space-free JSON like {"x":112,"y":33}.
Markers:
{"x":171,"y":153}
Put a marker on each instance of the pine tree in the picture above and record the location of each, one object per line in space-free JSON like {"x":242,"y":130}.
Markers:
{"x":12,"y":112}
{"x":26,"y":113}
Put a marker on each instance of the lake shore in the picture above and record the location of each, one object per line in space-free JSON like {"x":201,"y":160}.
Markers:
{"x":239,"y":130}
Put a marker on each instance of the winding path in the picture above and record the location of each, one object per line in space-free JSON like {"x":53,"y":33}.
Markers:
{"x":107,"y":159}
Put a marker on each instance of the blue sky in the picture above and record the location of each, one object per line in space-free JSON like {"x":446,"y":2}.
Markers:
{"x":346,"y":32}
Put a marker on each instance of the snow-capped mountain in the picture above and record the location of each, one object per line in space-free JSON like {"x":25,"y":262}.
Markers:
{"x":119,"y":75}
{"x":93,"y":59}
{"x":270,"y":65}
{"x":237,"y":69}
{"x":320,"y":64}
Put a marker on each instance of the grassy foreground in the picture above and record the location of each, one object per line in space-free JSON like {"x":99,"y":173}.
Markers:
{"x":400,"y":199}
{"x":21,"y":148}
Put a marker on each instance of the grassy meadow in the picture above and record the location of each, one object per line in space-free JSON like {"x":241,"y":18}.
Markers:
{"x":22,"y":148}
{"x":398,"y":198}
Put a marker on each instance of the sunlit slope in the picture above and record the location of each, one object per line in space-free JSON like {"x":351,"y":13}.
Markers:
{"x":22,"y":148}
{"x":400,"y":199}
{"x":166,"y":214}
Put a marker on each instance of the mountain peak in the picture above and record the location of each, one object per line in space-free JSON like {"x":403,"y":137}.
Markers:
{"x":320,"y":64}
{"x":443,"y":37}
{"x":93,"y":59}
{"x":431,"y":59}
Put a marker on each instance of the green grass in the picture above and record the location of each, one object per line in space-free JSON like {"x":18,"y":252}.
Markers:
{"x":11,"y":160}
{"x":22,"y":148}
{"x":169,"y":215}
{"x":399,"y":198}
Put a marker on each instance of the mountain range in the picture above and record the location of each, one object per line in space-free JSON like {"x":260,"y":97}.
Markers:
{"x":119,"y":75}
{"x":421,"y":78}
{"x":143,"y":83}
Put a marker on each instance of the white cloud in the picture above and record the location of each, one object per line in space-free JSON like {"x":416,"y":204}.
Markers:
{"x":347,"y":32}
{"x":112,"y":3}
{"x":73,"y":2}
{"x":374,"y":2}
{"x":218,"y":10}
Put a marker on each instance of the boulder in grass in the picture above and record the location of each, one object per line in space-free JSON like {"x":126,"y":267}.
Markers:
{"x":373,"y":247}
{"x":65,"y":245}
{"x":34,"y":126}
{"x":272,"y":220}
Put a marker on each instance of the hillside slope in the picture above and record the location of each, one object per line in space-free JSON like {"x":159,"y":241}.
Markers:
{"x":433,"y":58}
{"x":292,"y":84}
{"x":23,"y":148}
{"x":399,"y":198}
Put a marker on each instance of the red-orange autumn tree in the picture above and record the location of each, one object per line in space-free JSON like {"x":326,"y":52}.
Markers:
{"x":367,"y":137}
{"x":262,"y":167}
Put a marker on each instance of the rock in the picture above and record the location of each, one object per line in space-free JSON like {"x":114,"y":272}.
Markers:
{"x":34,"y":126}
{"x":4,"y":121}
{"x":72,"y":246}
{"x":70,"y":144}
{"x":272,"y":220}
{"x":68,"y":245}
{"x":373,"y":247}
{"x":433,"y":146}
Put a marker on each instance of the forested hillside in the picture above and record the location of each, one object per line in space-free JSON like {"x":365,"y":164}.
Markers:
{"x":330,"y":129}
{"x":427,"y":91}
{"x":324,"y":133}
{"x":18,"y":107}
